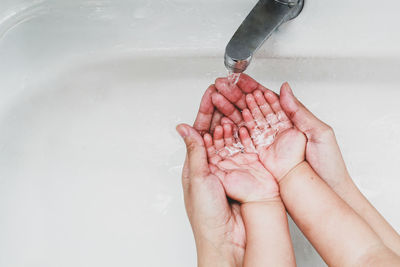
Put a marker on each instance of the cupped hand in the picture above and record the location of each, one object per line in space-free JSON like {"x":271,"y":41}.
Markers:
{"x":280,"y":145}
{"x":237,"y":166}
{"x":216,"y":222}
{"x":322,"y":150}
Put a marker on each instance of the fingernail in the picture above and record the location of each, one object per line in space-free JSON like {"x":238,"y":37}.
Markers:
{"x":183,"y":132}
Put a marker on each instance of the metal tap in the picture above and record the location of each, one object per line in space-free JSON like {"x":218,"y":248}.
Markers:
{"x":258,"y":26}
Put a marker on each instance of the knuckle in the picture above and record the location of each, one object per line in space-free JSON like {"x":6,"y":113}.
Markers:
{"x":326,"y":131}
{"x":218,"y":84}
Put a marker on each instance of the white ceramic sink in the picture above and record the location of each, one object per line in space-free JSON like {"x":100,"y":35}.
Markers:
{"x":91,"y":91}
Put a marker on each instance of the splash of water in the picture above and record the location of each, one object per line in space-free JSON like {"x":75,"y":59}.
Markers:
{"x":229,"y":151}
{"x":263,"y":135}
{"x":233,"y":78}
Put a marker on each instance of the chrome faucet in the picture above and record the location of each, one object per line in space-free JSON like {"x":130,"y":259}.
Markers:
{"x":258,"y":26}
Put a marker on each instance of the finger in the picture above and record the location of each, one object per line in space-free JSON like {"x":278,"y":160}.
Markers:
{"x":249,"y":120}
{"x":256,"y":112}
{"x":197,"y":155}
{"x":270,"y":115}
{"x":208,"y":142}
{"x":273,"y":101}
{"x":228,"y":135}
{"x":246,"y":140}
{"x":235,"y":129}
{"x":248,"y":84}
{"x":218,"y":138}
{"x":227,"y":108}
{"x":231,"y":92}
{"x":204,"y":116}
{"x":213,"y":157}
{"x":262,"y":103}
{"x":226,"y":120}
{"x":301,"y":117}
{"x":216,"y":120}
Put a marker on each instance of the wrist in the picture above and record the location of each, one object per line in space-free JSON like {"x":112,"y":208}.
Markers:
{"x":266,"y":202}
{"x":294,"y":169}
{"x":211,"y":255}
{"x":258,"y":213}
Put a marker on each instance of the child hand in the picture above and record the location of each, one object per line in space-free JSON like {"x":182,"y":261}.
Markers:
{"x":238,"y":167}
{"x":280,"y":146}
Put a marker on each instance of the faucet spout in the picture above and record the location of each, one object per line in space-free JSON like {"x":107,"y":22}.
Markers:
{"x":258,"y":26}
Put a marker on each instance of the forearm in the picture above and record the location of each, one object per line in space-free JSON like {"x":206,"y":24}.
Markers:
{"x":340,"y":236}
{"x":359,"y":203}
{"x":338,"y":178}
{"x":267,"y":234}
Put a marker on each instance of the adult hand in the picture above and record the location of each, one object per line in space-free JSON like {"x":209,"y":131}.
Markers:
{"x":322,"y":149}
{"x":324,"y":156}
{"x":217,"y":224}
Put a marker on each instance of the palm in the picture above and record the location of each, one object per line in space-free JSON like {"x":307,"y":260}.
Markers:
{"x":217,"y":224}
{"x":280,"y":146}
{"x":284,"y":153}
{"x":211,"y":215}
{"x":218,"y":214}
{"x":324,"y":155}
{"x":243,"y":176}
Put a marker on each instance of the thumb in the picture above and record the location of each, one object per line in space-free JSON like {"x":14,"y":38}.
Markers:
{"x":196,"y":151}
{"x":301,"y":117}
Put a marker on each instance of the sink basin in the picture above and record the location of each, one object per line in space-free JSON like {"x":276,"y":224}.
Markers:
{"x":91,"y":91}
